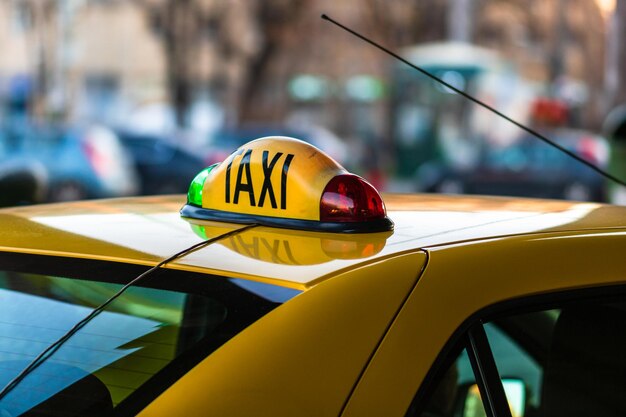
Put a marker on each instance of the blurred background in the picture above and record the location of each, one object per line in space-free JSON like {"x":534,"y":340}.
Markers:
{"x":105,"y":98}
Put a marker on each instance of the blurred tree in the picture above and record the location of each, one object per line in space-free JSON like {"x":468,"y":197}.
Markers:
{"x":551,"y":41}
{"x":176,"y":22}
{"x":243,"y":38}
{"x":277,"y":21}
{"x":179,"y":29}
{"x":194,"y":32}
{"x":41,"y":16}
{"x":403,"y":23}
{"x":620,"y":37}
{"x":258,"y":46}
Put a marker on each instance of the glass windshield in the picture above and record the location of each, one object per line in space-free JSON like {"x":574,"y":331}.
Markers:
{"x":132,"y":351}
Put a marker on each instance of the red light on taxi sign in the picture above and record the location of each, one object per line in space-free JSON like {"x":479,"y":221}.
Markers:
{"x":349,"y":198}
{"x":287,"y":183}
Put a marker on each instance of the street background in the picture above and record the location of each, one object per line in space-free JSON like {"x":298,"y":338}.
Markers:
{"x":105,"y":98}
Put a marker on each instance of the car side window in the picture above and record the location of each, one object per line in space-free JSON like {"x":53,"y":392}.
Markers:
{"x":566,"y":360}
{"x":520,"y":371}
{"x":570,"y":361}
{"x":129,"y":353}
{"x":455,"y":393}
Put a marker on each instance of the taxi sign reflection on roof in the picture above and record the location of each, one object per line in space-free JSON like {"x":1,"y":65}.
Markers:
{"x":294,"y":247}
{"x":285,"y":182}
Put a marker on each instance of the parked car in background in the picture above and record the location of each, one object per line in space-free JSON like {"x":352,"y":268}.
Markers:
{"x":163,"y":166}
{"x":22,"y":182}
{"x":530,"y":168}
{"x":79,"y":162}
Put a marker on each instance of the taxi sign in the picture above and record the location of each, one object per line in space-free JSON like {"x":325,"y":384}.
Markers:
{"x":284,"y":182}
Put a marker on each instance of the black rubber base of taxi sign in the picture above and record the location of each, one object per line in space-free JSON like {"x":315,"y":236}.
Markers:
{"x":372,"y":226}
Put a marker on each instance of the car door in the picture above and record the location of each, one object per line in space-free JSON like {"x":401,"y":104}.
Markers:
{"x":465,"y":311}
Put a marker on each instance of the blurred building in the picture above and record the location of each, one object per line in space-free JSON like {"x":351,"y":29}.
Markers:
{"x":274,"y":60}
{"x":100,"y":59}
{"x":113,"y":61}
{"x":80,"y":59}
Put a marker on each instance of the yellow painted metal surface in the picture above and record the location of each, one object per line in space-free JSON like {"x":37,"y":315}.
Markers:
{"x":148,"y":230}
{"x":295,"y":247}
{"x":273,"y":176}
{"x":483,"y":250}
{"x":420,"y":221}
{"x":133,"y":230}
{"x":302,"y":358}
{"x":460,"y":280}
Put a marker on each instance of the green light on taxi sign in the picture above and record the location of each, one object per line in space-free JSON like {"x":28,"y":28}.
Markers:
{"x":194,"y":196}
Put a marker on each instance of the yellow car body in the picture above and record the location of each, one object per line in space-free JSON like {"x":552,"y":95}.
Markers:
{"x":376,"y":310}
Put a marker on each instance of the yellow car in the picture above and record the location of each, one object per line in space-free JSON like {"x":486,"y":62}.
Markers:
{"x":286,"y":287}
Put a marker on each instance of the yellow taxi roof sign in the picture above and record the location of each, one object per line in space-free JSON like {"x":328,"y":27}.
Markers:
{"x":284,"y":182}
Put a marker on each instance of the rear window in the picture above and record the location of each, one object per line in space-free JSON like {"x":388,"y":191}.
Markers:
{"x":126,"y":356}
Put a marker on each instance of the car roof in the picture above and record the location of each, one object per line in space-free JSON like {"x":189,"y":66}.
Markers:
{"x":146,"y":230}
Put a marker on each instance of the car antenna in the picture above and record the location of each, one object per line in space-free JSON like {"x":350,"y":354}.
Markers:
{"x":480,"y":103}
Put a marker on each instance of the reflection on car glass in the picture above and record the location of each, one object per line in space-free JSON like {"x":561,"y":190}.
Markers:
{"x":568,"y":361}
{"x":117,"y":359}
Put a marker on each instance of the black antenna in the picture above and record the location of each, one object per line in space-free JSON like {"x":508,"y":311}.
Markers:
{"x":480,"y":103}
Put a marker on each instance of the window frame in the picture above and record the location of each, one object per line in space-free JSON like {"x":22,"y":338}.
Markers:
{"x":479,"y":351}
